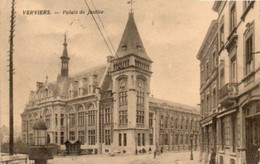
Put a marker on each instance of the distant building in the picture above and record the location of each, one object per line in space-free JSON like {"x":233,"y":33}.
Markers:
{"x":108,"y":108}
{"x":230,"y":78}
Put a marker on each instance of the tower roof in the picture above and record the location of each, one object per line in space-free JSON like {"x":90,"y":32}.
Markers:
{"x":131,"y":42}
{"x":65,"y":52}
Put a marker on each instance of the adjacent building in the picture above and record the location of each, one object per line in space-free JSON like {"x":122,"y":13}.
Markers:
{"x":109,"y":107}
{"x":230,"y":77}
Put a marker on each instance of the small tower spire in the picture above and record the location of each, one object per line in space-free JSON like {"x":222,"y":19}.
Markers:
{"x":65,"y":59}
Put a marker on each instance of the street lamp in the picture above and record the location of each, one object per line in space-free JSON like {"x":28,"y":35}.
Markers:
{"x":191,"y":144}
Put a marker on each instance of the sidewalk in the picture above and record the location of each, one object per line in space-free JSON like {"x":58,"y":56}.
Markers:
{"x":196,"y":160}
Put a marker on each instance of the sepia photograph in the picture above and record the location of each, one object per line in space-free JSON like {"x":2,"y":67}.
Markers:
{"x":130,"y":82}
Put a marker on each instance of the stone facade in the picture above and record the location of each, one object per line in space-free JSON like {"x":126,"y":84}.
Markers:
{"x":109,"y":108}
{"x":230,"y":69}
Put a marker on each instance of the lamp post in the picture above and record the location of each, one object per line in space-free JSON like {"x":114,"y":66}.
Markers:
{"x":191,"y":144}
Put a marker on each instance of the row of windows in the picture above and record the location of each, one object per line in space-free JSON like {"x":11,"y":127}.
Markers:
{"x":176,"y":139}
{"x":164,"y":123}
{"x":82,"y":91}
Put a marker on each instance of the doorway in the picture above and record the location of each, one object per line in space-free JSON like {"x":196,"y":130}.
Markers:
{"x":252,"y":139}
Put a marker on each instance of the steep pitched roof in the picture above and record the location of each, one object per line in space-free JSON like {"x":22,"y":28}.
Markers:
{"x":131,"y":42}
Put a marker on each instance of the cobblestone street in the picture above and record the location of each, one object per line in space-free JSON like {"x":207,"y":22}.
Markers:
{"x":166,"y":158}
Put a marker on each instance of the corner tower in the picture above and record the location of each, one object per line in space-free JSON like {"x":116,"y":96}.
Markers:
{"x":131,"y":73}
{"x":65,"y":60}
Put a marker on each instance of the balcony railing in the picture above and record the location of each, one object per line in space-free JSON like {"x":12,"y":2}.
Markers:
{"x":229,"y":91}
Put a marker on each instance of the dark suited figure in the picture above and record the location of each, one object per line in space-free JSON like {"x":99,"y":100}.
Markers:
{"x":212,"y":157}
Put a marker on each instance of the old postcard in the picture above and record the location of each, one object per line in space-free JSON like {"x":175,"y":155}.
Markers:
{"x":130,"y":81}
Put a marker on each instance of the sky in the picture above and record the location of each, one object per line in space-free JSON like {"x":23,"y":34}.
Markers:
{"x":172,"y":33}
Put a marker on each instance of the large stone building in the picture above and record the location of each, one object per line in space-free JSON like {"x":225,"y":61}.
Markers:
{"x":109,"y":107}
{"x":230,"y":77}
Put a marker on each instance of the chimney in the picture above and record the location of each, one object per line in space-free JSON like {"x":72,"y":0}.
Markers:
{"x":39,"y":85}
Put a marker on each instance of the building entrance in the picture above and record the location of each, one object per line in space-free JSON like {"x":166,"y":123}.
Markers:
{"x":252,"y":139}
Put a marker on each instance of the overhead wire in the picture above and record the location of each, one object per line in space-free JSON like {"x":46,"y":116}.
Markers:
{"x":99,"y":28}
{"x":104,"y":28}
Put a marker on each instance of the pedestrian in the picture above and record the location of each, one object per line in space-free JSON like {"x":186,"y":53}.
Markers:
{"x":150,"y":150}
{"x":212,"y":157}
{"x":154,"y":156}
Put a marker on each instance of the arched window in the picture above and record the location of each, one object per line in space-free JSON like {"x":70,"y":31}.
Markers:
{"x":182,"y":123}
{"x":91,"y":115}
{"x":176,"y":122}
{"x":81,"y":116}
{"x":122,"y":101}
{"x":166,"y":121}
{"x":161,"y":122}
{"x":191,"y":124}
{"x":187,"y":123}
{"x":140,"y":99}
{"x":176,"y":139}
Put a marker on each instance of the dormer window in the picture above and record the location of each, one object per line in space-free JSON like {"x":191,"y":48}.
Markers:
{"x":75,"y":82}
{"x":85,"y":79}
{"x":139,"y":47}
{"x":94,"y":76}
{"x":124,"y":47}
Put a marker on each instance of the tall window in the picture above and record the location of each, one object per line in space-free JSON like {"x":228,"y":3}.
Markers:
{"x":61,"y":137}
{"x":125,"y":139}
{"x":107,"y":137}
{"x":161,"y":122}
{"x":123,"y":98}
{"x":222,"y":133}
{"x":81,"y":118}
{"x":91,"y":115}
{"x":176,"y":139}
{"x":166,"y":122}
{"x":139,"y":139}
{"x":249,"y":55}
{"x":151,"y":139}
{"x":233,"y":70}
{"x":176,"y":123}
{"x":62,"y":120}
{"x":119,"y":139}
{"x":234,"y":130}
{"x":56,"y":119}
{"x":150,"y":119}
{"x":166,"y":136}
{"x":123,"y":115}
{"x":187,"y":123}
{"x":143,"y":139}
{"x":214,"y":98}
{"x":222,"y":78}
{"x":72,"y":120}
{"x":107,"y":115}
{"x":48,"y":120}
{"x":82,"y":137}
{"x":140,"y":108}
{"x":233,"y":17}
{"x":91,"y":137}
{"x":72,"y":135}
{"x":221,"y":36}
{"x":56,"y":137}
